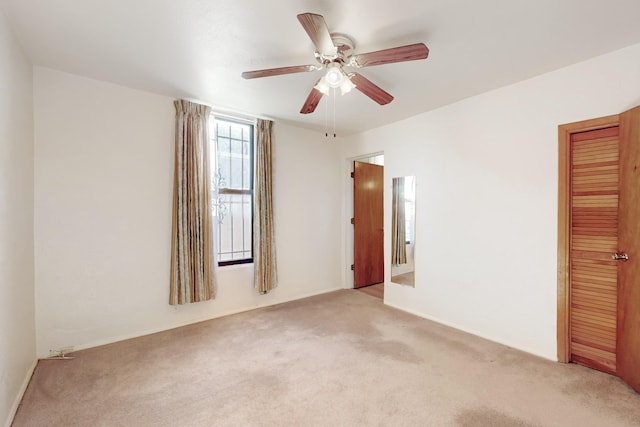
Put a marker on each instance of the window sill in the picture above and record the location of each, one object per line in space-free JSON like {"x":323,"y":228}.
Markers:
{"x":235,"y":264}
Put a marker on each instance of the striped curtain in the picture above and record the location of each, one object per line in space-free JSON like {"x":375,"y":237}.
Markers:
{"x":264,"y":250}
{"x":192,"y":249}
{"x":398,"y":233}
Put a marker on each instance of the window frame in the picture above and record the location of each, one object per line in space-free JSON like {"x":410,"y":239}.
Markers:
{"x":231,"y":191}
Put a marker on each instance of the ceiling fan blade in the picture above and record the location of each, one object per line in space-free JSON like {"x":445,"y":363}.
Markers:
{"x":277,"y":71}
{"x":318,"y":32}
{"x":387,"y":56}
{"x":312,"y":100}
{"x":374,"y":92}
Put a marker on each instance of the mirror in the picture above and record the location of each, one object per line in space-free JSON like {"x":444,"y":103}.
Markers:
{"x":403,"y":213}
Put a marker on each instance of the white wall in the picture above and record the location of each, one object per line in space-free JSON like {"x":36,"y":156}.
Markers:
{"x":103,"y":194}
{"x":486,"y":206}
{"x":17,"y":334}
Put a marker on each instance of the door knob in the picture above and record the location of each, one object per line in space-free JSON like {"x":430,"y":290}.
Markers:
{"x":619,"y":257}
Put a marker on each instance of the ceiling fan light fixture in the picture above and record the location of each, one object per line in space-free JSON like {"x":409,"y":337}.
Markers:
{"x":346,"y":85}
{"x":334,"y":77}
{"x":322,"y":86}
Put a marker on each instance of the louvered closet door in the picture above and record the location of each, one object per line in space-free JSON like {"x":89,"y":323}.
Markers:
{"x":594,"y":237}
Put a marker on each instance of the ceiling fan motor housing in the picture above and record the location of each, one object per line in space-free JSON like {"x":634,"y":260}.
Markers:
{"x":344,"y":46}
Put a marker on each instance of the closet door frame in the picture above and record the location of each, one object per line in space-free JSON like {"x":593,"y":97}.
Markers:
{"x":564,"y":224}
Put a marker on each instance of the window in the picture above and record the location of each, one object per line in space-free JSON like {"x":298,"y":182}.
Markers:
{"x":232,"y":142}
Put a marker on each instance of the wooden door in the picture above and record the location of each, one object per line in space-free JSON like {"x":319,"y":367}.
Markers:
{"x":594,"y":237}
{"x":599,"y":245}
{"x":628,"y":342}
{"x":368,"y":246}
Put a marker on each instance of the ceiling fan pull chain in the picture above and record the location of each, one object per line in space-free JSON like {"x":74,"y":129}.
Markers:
{"x":326,"y":119}
{"x":334,"y":112}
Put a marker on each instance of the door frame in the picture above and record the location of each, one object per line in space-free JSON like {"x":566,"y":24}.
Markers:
{"x":348,"y":214}
{"x":369,"y":248}
{"x":564,"y":224}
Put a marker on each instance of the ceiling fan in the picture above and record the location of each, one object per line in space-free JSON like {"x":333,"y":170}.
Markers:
{"x":334,"y":51}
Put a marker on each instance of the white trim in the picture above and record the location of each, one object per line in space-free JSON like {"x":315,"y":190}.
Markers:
{"x":469,"y":331}
{"x":119,"y":338}
{"x":238,"y":118}
{"x":348,"y":277}
{"x":16,"y":403}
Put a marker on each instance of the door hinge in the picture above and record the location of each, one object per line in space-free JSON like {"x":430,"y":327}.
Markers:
{"x":352,"y":175}
{"x":353,"y":220}
{"x":353,"y":267}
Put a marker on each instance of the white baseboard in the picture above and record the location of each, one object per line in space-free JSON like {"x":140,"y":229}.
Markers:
{"x":471,"y":331}
{"x":18,"y":399}
{"x":138,"y":334}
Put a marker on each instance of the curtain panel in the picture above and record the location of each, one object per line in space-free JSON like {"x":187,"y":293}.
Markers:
{"x":193,"y":266}
{"x":398,"y":230}
{"x":264,"y":250}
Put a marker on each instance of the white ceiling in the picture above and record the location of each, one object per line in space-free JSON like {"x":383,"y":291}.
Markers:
{"x":198,"y":48}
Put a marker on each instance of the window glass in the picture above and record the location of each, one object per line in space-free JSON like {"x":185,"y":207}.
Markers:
{"x":232,"y":141}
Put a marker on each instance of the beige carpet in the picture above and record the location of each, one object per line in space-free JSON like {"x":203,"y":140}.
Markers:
{"x":376,"y":290}
{"x":404,"y":279}
{"x":339,"y":359}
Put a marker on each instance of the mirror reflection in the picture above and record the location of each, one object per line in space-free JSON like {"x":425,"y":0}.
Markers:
{"x":403,"y":230}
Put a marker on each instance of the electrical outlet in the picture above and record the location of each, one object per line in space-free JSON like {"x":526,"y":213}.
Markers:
{"x":60,"y":353}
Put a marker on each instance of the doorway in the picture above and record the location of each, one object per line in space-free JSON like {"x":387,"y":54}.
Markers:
{"x":598,"y":244}
{"x":365,"y":215}
{"x":368,"y":224}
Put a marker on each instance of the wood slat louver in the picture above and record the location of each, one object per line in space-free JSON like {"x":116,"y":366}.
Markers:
{"x":594,"y":237}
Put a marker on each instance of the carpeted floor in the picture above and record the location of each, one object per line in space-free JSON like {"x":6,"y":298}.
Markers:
{"x":404,"y":279}
{"x":339,"y":359}
{"x":376,"y":290}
